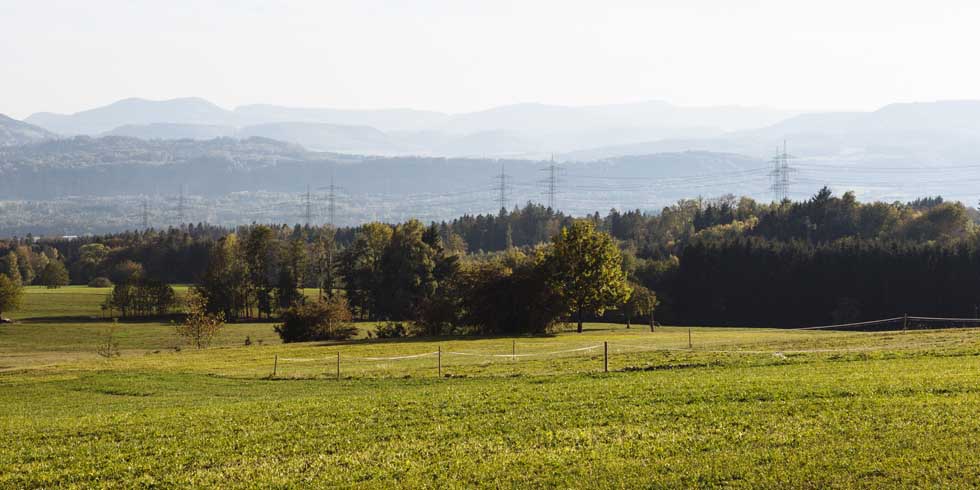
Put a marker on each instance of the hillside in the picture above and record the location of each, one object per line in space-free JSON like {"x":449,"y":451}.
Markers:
{"x":14,"y":132}
{"x":85,"y":184}
{"x":190,"y":110}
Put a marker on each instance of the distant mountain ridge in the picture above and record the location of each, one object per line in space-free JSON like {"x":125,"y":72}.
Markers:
{"x":14,"y":132}
{"x":943,"y":131}
{"x":514,"y":130}
{"x":903,"y":133}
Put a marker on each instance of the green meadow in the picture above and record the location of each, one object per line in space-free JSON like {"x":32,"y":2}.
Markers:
{"x":705,"y":407}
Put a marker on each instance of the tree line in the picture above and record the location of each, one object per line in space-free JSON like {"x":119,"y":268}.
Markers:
{"x":705,"y":261}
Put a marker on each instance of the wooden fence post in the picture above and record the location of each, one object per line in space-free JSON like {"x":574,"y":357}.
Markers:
{"x":338,"y":366}
{"x":605,"y":357}
{"x":690,"y":344}
{"x":439,"y":355}
{"x":275,"y":366}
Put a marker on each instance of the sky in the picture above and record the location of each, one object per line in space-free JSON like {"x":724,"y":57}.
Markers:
{"x":459,"y":56}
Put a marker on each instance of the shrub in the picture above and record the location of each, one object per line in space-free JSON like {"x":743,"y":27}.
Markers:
{"x":108,"y":347}
{"x":100,"y":282}
{"x":317,"y":320}
{"x":200,"y":327}
{"x":390,"y":330}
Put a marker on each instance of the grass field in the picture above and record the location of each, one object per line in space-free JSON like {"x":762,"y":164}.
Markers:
{"x":745,"y":408}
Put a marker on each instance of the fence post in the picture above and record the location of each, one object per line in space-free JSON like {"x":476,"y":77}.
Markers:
{"x":275,"y":366}
{"x":338,"y":366}
{"x":690,"y":344}
{"x":605,"y":357}
{"x":905,"y":322}
{"x":513,"y":350}
{"x":439,"y":355}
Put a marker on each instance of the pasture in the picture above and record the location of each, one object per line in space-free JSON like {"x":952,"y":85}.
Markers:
{"x":744,"y":408}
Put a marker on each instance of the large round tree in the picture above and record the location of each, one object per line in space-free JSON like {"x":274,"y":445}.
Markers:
{"x":586,"y":269}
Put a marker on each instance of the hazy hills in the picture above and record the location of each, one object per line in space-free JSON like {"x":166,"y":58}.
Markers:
{"x":116,"y":165}
{"x":14,"y":132}
{"x":254,"y":162}
{"x":521,"y":130}
{"x":908,"y":133}
{"x":83,"y":184}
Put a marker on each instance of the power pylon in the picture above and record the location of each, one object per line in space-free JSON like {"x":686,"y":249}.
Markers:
{"x":551,"y":183}
{"x":331,"y":202}
{"x":779,"y":175}
{"x":501,"y":188}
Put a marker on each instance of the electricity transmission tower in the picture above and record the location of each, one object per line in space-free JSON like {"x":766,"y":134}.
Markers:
{"x":331,"y":202}
{"x":779,"y":175}
{"x":501,"y":187}
{"x":551,"y":181}
{"x":146,"y":215}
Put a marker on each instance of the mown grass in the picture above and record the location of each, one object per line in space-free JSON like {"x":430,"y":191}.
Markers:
{"x":744,"y":408}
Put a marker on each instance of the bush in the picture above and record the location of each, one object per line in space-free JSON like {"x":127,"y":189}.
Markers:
{"x":100,"y":282}
{"x":317,"y":320}
{"x":390,"y":330}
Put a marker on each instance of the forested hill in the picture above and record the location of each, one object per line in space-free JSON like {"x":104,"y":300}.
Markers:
{"x":85,"y":165}
{"x":97,"y":185}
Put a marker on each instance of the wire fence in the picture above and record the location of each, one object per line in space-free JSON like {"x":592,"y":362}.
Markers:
{"x":659,"y":352}
{"x":904,"y":322}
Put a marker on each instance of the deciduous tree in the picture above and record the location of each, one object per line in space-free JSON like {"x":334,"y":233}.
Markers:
{"x":10,"y":294}
{"x":586,"y":269}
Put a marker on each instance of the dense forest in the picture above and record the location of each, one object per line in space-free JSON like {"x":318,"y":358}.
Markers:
{"x":727,"y":261}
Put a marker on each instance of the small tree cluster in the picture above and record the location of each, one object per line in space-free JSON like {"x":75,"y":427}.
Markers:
{"x":325,"y":319}
{"x":642,"y":303}
{"x":141,"y":299}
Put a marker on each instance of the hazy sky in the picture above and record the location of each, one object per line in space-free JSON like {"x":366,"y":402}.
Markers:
{"x":455,"y":56}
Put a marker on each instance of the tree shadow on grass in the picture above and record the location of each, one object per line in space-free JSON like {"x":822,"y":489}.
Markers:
{"x":100,"y":319}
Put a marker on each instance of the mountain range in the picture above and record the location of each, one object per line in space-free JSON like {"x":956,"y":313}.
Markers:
{"x":908,"y":133}
{"x":520,"y":130}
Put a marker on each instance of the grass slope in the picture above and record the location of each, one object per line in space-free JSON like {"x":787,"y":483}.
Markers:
{"x":745,"y":408}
